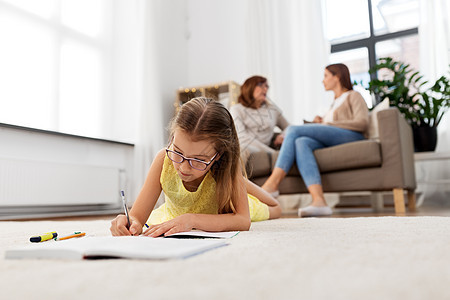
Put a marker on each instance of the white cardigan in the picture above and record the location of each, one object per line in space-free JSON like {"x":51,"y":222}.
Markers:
{"x":255,"y":127}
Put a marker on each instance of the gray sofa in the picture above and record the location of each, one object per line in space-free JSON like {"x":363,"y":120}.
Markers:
{"x":383,"y":162}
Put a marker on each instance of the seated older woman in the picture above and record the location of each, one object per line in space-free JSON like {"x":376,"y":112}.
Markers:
{"x":255,"y":117}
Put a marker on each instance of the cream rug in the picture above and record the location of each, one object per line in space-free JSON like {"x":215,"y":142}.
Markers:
{"x":329,"y":258}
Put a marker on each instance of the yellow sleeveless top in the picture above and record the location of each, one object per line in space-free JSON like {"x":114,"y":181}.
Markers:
{"x":179,"y":201}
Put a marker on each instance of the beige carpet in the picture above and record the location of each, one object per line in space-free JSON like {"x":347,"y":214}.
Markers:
{"x":330,"y":258}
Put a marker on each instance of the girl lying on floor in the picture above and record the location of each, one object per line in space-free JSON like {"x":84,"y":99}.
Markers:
{"x":202,"y":178}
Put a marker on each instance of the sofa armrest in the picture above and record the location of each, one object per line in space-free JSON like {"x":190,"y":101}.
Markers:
{"x":397,"y":149}
{"x":258,"y":164}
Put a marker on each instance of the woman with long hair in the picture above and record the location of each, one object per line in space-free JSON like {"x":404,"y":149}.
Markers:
{"x":346,"y":121}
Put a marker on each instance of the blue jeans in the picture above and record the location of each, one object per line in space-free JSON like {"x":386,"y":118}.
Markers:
{"x":301,"y":141}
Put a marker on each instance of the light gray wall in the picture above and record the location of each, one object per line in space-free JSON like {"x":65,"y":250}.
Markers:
{"x":216,"y":41}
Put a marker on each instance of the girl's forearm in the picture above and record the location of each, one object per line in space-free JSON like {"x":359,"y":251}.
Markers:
{"x":221,"y":222}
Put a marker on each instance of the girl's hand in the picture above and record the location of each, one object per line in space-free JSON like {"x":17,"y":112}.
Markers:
{"x":119,"y":226}
{"x":179,"y":224}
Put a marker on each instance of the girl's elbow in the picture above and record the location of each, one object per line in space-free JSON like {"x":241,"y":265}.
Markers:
{"x":246,"y":227}
{"x":245,"y":224}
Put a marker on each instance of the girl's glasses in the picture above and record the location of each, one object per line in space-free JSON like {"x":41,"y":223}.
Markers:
{"x":193,"y":162}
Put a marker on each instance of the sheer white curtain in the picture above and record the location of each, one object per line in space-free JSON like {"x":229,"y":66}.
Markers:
{"x":434,"y":32}
{"x":286,"y":44}
{"x":150,"y":129}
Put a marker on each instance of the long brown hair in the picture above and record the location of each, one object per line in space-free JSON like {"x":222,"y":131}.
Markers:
{"x":246,"y":96}
{"x":206,"y":119}
{"x":341,"y":71}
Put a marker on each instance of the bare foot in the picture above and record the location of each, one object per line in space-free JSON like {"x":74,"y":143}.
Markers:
{"x":268,"y":187}
{"x":273,"y":191}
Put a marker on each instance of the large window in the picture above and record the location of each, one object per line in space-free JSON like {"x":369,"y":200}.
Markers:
{"x":361,"y":31}
{"x":54,"y":59}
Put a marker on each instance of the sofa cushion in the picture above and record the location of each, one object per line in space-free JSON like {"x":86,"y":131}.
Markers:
{"x":259,"y":164}
{"x":355,"y":155}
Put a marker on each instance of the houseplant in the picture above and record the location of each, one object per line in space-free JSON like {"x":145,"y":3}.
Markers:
{"x":423,"y":107}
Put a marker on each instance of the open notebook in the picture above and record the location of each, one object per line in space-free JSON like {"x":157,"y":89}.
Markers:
{"x":204,"y":234}
{"x":134,"y":247}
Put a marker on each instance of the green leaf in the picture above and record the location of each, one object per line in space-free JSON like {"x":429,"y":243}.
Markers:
{"x":405,"y":90}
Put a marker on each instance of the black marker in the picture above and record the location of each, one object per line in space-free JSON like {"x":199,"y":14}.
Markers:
{"x":125,"y":208}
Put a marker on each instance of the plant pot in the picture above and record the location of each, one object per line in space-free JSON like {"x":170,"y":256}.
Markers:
{"x":425,"y":138}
